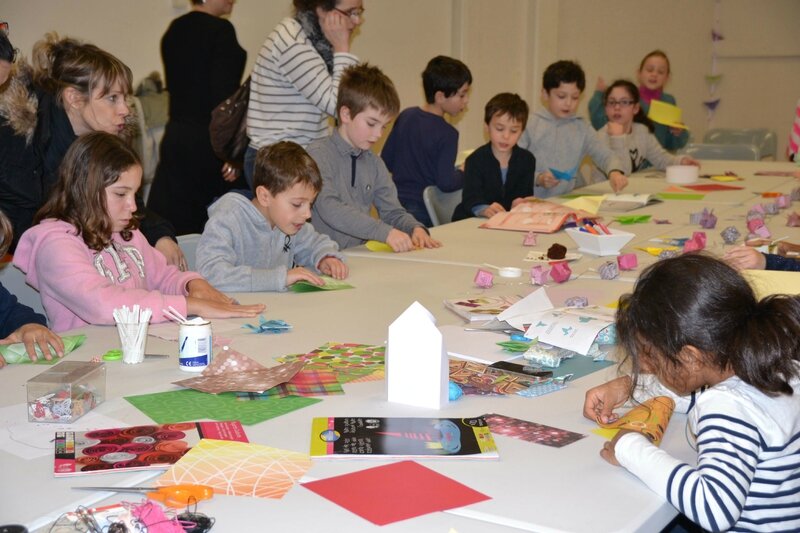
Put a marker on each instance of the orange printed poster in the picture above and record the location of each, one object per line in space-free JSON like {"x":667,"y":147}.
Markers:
{"x":536,"y":215}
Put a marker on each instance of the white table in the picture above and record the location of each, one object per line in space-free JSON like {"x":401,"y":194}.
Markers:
{"x":533,"y":487}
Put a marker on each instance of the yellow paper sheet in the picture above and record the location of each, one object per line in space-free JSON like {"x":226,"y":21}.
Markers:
{"x":378,"y":246}
{"x":725,"y":178}
{"x":766,"y":282}
{"x":587,"y":203}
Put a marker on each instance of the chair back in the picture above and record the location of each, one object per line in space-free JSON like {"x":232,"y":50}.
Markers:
{"x":188,"y":244}
{"x":13,"y":279}
{"x":735,"y":152}
{"x":766,"y":141}
{"x":440,"y":205}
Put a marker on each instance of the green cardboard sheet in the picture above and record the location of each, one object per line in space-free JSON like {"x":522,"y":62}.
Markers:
{"x":680,"y":196}
{"x":330,"y":285}
{"x":16,"y":354}
{"x":185,"y":405}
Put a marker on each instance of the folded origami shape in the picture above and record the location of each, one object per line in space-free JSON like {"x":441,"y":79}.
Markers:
{"x":649,"y":418}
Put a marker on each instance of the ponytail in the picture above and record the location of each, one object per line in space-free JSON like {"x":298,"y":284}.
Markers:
{"x":763,"y":352}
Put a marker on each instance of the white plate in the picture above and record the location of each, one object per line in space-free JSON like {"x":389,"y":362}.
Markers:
{"x":541,"y":257}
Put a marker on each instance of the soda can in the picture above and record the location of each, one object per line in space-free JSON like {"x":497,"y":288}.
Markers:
{"x":195,"y":342}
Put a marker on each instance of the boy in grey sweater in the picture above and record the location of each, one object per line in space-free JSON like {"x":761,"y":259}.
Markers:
{"x":254,"y":245}
{"x":354,"y":178}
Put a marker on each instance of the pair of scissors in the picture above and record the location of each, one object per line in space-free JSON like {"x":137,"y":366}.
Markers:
{"x":170,"y":495}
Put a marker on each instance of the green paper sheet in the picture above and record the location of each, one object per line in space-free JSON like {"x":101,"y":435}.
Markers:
{"x":632,"y":219}
{"x":680,"y":196}
{"x":330,"y":285}
{"x":515,"y":346}
{"x":185,"y":405}
{"x":16,"y":354}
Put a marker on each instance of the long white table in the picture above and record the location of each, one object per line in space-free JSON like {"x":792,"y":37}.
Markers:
{"x":532,"y":487}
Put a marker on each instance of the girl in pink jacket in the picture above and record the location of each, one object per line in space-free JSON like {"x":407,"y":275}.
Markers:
{"x":86,"y":256}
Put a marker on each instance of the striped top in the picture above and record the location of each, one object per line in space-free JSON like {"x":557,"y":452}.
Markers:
{"x":291,"y":91}
{"x":747,"y":476}
{"x":794,"y":135}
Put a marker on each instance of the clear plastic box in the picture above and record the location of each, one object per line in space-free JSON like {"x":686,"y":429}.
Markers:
{"x":66,"y":392}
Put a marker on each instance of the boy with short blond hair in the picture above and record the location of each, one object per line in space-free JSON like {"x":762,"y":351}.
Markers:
{"x":353,"y":178}
{"x":560,"y":140}
{"x":255,"y":245}
{"x":422,"y":146}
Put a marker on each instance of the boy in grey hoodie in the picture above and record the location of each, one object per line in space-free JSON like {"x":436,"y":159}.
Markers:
{"x":254,"y":245}
{"x":560,"y":140}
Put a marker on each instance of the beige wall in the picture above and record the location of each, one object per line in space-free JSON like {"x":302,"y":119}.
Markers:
{"x":506,"y":43}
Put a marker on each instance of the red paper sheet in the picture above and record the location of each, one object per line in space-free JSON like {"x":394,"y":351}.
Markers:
{"x":394,"y":492}
{"x":708,"y":187}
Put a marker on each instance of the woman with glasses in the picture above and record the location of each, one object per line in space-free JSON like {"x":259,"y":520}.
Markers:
{"x":203,"y":65}
{"x":296,"y":77}
{"x":629,"y":133}
{"x":72,"y":88}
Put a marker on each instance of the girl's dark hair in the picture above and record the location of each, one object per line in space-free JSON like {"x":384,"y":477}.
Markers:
{"x":93,"y":162}
{"x":633,"y":92}
{"x":696,"y":300}
{"x":6,"y":49}
{"x":312,"y":5}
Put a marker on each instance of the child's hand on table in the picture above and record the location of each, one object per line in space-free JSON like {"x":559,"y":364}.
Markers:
{"x":745,"y":258}
{"x":215,"y":309}
{"x":421,"y":239}
{"x":203,"y":290}
{"x":601,"y":401}
{"x":333,"y":267}
{"x":618,"y":180}
{"x":293,"y":275}
{"x":32,"y":334}
{"x":686,"y":160}
{"x":399,"y":241}
{"x":492,"y":210}
{"x":609,"y":448}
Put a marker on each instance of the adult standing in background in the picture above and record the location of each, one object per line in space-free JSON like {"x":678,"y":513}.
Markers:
{"x":72,"y":88}
{"x":203,"y":65}
{"x":295,"y":81}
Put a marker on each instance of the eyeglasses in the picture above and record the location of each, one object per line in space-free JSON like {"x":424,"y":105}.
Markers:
{"x":355,"y":13}
{"x":621,"y":103}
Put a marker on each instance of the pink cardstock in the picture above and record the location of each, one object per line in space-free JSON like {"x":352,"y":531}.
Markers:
{"x":484,"y":278}
{"x":560,"y":272}
{"x":627,"y":261}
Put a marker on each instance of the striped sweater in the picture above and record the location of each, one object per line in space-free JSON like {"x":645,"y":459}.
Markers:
{"x":291,"y":91}
{"x":747,"y":476}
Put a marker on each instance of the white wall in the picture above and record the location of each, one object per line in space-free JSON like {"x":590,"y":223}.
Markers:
{"x":506,"y":43}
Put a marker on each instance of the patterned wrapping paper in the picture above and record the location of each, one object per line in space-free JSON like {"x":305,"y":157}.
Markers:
{"x":476,"y":378}
{"x":650,"y":418}
{"x":304,"y":383}
{"x":531,"y":431}
{"x":349,"y":361}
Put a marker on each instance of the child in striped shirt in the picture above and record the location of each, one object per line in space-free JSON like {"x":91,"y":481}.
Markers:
{"x":743,"y":354}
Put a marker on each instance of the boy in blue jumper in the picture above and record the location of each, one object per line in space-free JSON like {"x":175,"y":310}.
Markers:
{"x":266,"y":244}
{"x":421,"y":148}
{"x":560,"y":140}
{"x":20,"y":323}
{"x":499,"y":174}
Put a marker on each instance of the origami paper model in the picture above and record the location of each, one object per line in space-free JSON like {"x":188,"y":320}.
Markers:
{"x":730,"y":235}
{"x":793,"y":220}
{"x":530,"y":239}
{"x":627,"y":261}
{"x":234,"y":371}
{"x":539,"y":275}
{"x":269,"y":326}
{"x":650,"y":418}
{"x":484,"y":279}
{"x":560,"y":272}
{"x":609,"y":270}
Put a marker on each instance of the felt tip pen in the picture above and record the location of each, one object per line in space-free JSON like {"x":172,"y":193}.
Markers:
{"x":591,"y":229}
{"x":603,"y":227}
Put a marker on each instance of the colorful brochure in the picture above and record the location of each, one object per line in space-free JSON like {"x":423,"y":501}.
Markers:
{"x":536,"y":215}
{"x":336,"y":438}
{"x":135,"y":448}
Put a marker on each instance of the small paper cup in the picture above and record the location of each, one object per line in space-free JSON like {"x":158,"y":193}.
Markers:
{"x":682,"y":174}
{"x":133,"y":338}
